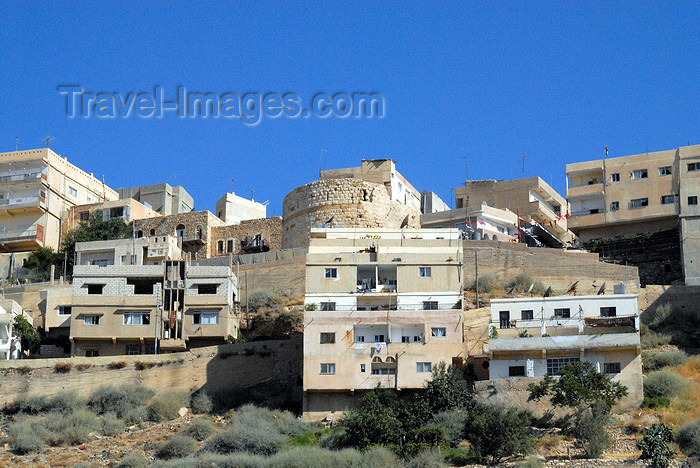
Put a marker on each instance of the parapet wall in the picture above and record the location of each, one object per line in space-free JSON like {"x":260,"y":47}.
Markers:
{"x":347,"y":203}
{"x":271,"y":368}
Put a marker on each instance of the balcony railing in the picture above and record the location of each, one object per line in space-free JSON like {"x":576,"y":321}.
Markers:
{"x":385,"y":307}
{"x":21,"y":177}
{"x":30,"y":232}
{"x":19,"y":201}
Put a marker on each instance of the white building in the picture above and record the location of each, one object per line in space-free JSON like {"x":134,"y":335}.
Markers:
{"x":10,"y":346}
{"x":534,"y":337}
{"x":232,"y":209}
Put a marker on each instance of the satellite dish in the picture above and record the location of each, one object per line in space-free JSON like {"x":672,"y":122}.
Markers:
{"x":548,"y":292}
{"x":511,"y":290}
{"x":572,"y":288}
{"x":330,"y":220}
{"x":601,"y":290}
{"x":404,"y":223}
{"x":530,"y":288}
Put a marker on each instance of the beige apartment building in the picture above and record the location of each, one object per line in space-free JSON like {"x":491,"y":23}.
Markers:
{"x":383,"y":307}
{"x":643,"y":193}
{"x":148,"y":301}
{"x":36,"y":187}
{"x":163,"y":198}
{"x":481,"y":222}
{"x":126,"y":209}
{"x":534,"y":337}
{"x":232,"y":209}
{"x":531,"y":199}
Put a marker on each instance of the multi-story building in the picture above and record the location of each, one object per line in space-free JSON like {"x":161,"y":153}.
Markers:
{"x":36,"y":187}
{"x":232,"y":209}
{"x":650,"y":193}
{"x":125,"y":209}
{"x":534,"y":337}
{"x":481,"y":222}
{"x":10,"y":345}
{"x":163,"y":198}
{"x":153,"y":302}
{"x":531,"y":199}
{"x":383,"y":306}
{"x":374,"y":195}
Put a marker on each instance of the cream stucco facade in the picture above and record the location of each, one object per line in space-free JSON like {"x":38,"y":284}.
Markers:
{"x":382,"y":307}
{"x":36,"y":188}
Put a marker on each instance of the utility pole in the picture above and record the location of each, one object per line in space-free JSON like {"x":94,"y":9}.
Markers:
{"x":476,"y":274}
{"x":247,"y":317}
{"x":158,"y":319}
{"x":466,"y":166}
{"x":523,"y":166}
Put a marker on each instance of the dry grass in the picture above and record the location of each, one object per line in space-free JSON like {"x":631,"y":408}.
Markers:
{"x":295,"y":301}
{"x":686,"y":407}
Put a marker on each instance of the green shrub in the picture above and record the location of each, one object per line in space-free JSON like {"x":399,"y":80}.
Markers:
{"x":136,"y":415}
{"x":66,"y":401}
{"x":264,"y":299}
{"x":165,"y":406}
{"x":656,"y":402}
{"x":664,"y":384}
{"x":312,"y":457}
{"x":177,"y":447}
{"x":199,"y":429}
{"x":380,"y":457}
{"x":488,"y":283}
{"x":689,"y":438}
{"x":495,"y":432}
{"x":119,"y":400}
{"x":655,"y":446}
{"x":531,"y":462}
{"x":112,"y":425}
{"x":200,"y":403}
{"x":32,"y":404}
{"x":590,"y":430}
{"x":236,"y":460}
{"x":523,"y":281}
{"x":283,"y":422}
{"x":452,"y":423}
{"x":132,"y":460}
{"x":652,"y":339}
{"x":655,"y":361}
{"x":336,"y":440}
{"x":426,"y":459}
{"x":79,"y":425}
{"x":26,"y":435}
{"x":257,"y":440}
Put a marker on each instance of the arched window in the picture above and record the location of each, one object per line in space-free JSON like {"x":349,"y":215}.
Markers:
{"x":180,"y":230}
{"x":221,"y":246}
{"x":376,"y":359}
{"x":390,"y":359}
{"x":495,"y":237}
{"x":486,"y":237}
{"x":153,"y":232}
{"x":139,"y":234}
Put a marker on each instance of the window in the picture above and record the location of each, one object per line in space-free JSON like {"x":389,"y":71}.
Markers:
{"x":362,"y":367}
{"x":693,"y":167}
{"x":117,"y":212}
{"x":327,"y":368}
{"x":430,"y":305}
{"x":229,"y":245}
{"x":425,"y":272}
{"x":359,"y":339}
{"x":65,"y":310}
{"x":95,"y":288}
{"x":383,"y":370}
{"x":562,"y":313}
{"x":516,"y":371}
{"x":666,"y":170}
{"x":639,"y":202}
{"x":424,"y":367}
{"x":327,"y":306}
{"x":207,"y":288}
{"x":137,"y":318}
{"x":460,"y":203}
{"x":556,"y":364}
{"x":526,"y":314}
{"x":73,"y":191}
{"x":327,"y":337}
{"x":615,"y":177}
{"x":124,"y":260}
{"x":92,"y":353}
{"x":639,"y":174}
{"x":149,"y":348}
{"x":133,"y":349}
{"x":614,"y":206}
{"x":439,"y":332}
{"x":152,"y":232}
{"x":608,"y":311}
{"x":139,"y":234}
{"x":611,"y":367}
{"x":379,"y":338}
{"x":693,"y":200}
{"x":84,"y":216}
{"x":180,"y":231}
{"x":91,"y":320}
{"x":331,"y":273}
{"x":220,"y":246}
{"x":405,"y":339}
{"x":667,"y":199}
{"x":205,"y":318}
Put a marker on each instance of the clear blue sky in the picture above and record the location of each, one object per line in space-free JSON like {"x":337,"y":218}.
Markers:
{"x":490,"y":80}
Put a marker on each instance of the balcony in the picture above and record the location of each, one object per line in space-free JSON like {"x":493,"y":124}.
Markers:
{"x":592,"y":190}
{"x":19,"y":179}
{"x":20,"y":240}
{"x":587,"y":218}
{"x":565,"y":326}
{"x":24,"y":204}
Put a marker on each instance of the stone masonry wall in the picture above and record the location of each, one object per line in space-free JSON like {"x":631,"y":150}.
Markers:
{"x":167,"y":225}
{"x":350,"y":202}
{"x":271,"y":229}
{"x":272,"y":369}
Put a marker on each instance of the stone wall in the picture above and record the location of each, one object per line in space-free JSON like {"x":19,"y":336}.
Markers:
{"x":347,"y":203}
{"x":271,"y":229}
{"x":283,"y":277}
{"x":553,"y":267}
{"x":269,"y":369}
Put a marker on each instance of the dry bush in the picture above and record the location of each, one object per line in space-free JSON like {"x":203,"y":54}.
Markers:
{"x":62,"y":367}
{"x":116,"y":365}
{"x":296,"y":301}
{"x":83,"y":366}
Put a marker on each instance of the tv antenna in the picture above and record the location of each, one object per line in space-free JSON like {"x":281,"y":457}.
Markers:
{"x":47,"y":139}
{"x":320,"y":162}
{"x":232,"y":186}
{"x":466,"y":166}
{"x":16,"y":143}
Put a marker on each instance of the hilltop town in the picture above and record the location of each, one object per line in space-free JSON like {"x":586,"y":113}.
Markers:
{"x":142,"y":330}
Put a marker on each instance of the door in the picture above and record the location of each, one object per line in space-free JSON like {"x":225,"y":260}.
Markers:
{"x":504,"y":319}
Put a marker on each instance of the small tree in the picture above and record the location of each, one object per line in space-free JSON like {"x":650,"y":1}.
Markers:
{"x":495,"y":432}
{"x":446,"y":390}
{"x":655,"y":447}
{"x":590,"y":430}
{"x":40,"y":261}
{"x":579,"y":386}
{"x":29,"y":337}
{"x":375,"y":422}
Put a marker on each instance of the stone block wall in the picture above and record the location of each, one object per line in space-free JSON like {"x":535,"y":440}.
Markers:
{"x":348,"y":202}
{"x":167,"y":226}
{"x":271,"y":229}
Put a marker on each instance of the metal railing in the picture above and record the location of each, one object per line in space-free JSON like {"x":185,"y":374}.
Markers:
{"x":20,"y":177}
{"x":29,"y":232}
{"x":19,"y":201}
{"x":384,"y":307}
